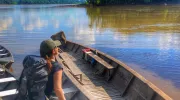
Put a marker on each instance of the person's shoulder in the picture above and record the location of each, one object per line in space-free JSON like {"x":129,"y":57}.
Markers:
{"x":56,"y":66}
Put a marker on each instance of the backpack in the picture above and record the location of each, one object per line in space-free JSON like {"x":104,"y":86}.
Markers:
{"x":33,"y":79}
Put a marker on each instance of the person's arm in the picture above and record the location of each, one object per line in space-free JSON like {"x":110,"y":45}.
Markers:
{"x":58,"y":85}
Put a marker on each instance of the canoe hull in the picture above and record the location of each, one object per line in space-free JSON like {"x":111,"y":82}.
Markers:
{"x":130,"y":84}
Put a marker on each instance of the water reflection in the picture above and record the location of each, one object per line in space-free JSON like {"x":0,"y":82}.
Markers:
{"x":36,"y":24}
{"x":136,"y":19}
{"x":5,"y":23}
{"x":149,"y":23}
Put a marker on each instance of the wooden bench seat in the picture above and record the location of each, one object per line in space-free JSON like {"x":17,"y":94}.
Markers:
{"x":8,"y":92}
{"x":1,"y":49}
{"x":2,"y":80}
{"x":3,"y":54}
{"x":100,"y":60}
{"x":109,"y":67}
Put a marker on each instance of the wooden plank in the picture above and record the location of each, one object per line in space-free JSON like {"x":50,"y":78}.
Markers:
{"x":157,"y":97}
{"x":100,"y":60}
{"x":76,"y":83}
{"x":75,"y":48}
{"x":4,"y":54}
{"x":105,"y":58}
{"x":69,"y":90}
{"x":70,"y":63}
{"x":99,"y":95}
{"x":1,"y":49}
{"x":9,"y":79}
{"x":8,"y":92}
{"x":69,"y":45}
{"x":142,"y":89}
{"x":121,"y":79}
{"x":128,"y":85}
{"x":79,"y":51}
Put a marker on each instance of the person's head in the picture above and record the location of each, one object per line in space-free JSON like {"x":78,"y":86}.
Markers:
{"x":48,"y":48}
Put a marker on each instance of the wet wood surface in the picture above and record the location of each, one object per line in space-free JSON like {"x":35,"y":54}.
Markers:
{"x":95,"y":87}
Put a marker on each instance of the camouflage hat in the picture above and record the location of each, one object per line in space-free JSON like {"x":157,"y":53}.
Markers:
{"x":48,"y":45}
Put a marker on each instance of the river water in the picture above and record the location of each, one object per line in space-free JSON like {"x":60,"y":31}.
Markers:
{"x":146,"y":38}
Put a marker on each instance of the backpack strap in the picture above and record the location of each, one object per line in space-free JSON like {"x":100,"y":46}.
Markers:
{"x":22,"y":95}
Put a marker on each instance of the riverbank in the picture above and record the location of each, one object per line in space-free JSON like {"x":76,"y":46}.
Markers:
{"x":91,"y":2}
{"x":42,"y":1}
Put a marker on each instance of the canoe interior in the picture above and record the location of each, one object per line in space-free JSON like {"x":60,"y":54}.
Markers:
{"x":7,"y":83}
{"x":120,"y":84}
{"x":4,"y":52}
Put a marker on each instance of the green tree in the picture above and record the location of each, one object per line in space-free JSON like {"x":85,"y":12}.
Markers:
{"x":6,"y":1}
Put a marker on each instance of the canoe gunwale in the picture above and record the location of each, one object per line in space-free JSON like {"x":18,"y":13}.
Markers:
{"x":7,"y":61}
{"x":136,"y":74}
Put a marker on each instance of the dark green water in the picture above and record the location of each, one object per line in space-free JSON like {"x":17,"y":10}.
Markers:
{"x":143,"y":37}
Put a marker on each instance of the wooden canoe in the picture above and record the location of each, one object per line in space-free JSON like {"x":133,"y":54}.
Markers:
{"x":98,"y":76}
{"x":90,"y":74}
{"x":6,"y":57}
{"x":8,"y":83}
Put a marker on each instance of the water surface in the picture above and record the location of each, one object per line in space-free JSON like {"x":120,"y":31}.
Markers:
{"x":146,"y":38}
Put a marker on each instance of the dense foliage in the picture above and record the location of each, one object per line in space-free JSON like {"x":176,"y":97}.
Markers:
{"x":48,"y":1}
{"x":104,"y":2}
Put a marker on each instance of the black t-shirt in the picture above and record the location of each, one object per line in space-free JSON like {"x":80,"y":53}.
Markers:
{"x":50,"y":84}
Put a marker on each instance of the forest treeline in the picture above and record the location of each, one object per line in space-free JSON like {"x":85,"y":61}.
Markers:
{"x":41,"y":1}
